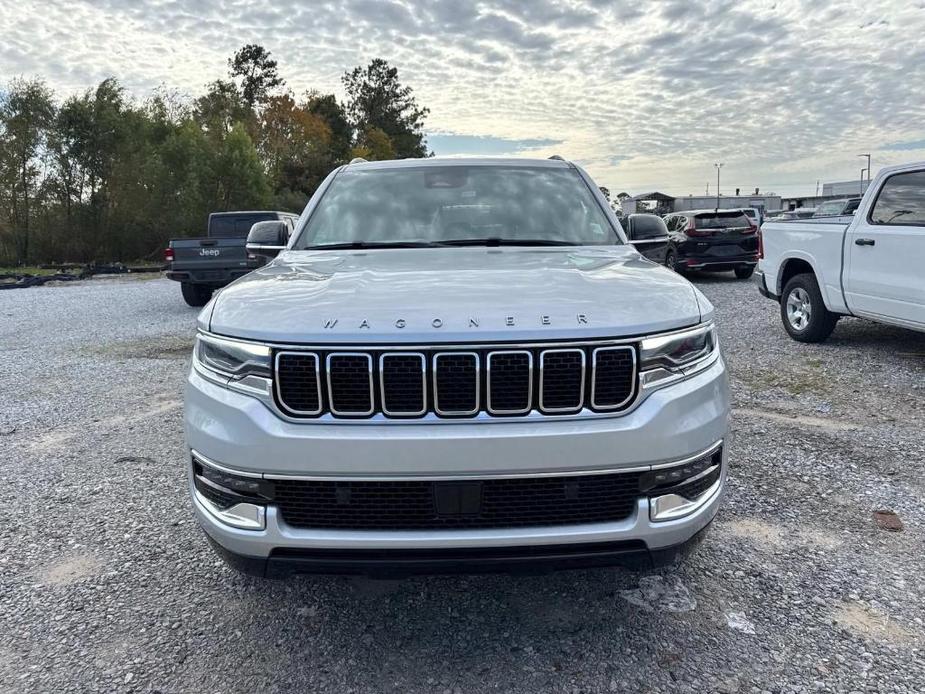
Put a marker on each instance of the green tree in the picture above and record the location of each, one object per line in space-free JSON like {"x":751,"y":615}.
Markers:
{"x":374,"y":145}
{"x":326,"y":107}
{"x":241,"y":182}
{"x":26,"y":115}
{"x":220,"y":108}
{"x":377,"y":100}
{"x":257,"y":73}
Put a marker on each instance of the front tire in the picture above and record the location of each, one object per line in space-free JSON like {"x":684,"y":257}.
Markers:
{"x":196,"y":294}
{"x":743,"y":273}
{"x":803,"y":312}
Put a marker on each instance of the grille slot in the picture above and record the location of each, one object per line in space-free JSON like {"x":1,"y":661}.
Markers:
{"x":510,"y":382}
{"x":411,"y":505}
{"x":298,"y":382}
{"x":350,"y":383}
{"x":456,"y":383}
{"x":614,"y":377}
{"x":550,"y":379}
{"x":562,"y":380}
{"x":403,"y":384}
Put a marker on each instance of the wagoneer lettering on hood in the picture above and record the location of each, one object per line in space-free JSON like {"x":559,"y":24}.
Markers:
{"x":463,"y":294}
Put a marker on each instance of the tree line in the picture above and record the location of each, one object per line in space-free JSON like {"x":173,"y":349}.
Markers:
{"x":99,"y":177}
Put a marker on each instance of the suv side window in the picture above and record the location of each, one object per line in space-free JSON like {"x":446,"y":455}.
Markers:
{"x":901,"y":200}
{"x":671,"y":223}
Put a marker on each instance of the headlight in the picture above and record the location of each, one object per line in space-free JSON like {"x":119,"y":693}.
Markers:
{"x":231,"y":358}
{"x":677,"y":350}
{"x":664,"y":359}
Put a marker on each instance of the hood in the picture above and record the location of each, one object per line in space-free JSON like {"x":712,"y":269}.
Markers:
{"x":432,"y":295}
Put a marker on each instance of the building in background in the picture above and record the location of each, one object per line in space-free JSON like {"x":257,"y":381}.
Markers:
{"x":662,"y":204}
{"x":845,"y":188}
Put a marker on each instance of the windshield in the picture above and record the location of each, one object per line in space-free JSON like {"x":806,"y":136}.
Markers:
{"x":462,"y":204}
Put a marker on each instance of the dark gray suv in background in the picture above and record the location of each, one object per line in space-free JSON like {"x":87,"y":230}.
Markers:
{"x":712,"y":240}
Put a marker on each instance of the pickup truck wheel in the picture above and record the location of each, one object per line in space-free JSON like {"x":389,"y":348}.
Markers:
{"x":196,"y":294}
{"x":805,"y":317}
{"x":743,"y":273}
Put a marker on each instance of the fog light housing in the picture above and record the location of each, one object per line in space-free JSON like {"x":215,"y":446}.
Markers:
{"x":234,"y":499}
{"x":678,"y":490}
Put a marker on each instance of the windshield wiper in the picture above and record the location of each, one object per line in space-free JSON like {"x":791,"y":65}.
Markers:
{"x":369,"y":244}
{"x":498,"y":241}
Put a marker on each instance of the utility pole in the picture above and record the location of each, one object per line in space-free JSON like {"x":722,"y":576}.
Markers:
{"x":708,"y":187}
{"x":868,"y":166}
{"x":817,"y":188}
{"x":718,"y":167}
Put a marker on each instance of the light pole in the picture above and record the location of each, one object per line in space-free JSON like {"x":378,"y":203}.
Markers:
{"x":868,"y":165}
{"x":718,"y":167}
{"x":862,"y":179}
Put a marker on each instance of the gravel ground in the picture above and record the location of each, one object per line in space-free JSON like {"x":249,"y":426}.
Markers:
{"x":107,"y":584}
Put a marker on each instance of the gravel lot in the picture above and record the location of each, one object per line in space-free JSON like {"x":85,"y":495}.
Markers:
{"x":107,"y":584}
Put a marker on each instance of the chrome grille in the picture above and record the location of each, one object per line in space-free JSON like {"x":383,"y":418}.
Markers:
{"x":403,"y":384}
{"x":614,"y":375}
{"x":456,"y":383}
{"x":350,"y":384}
{"x":298,"y":380}
{"x":562,"y":380}
{"x":500,"y":382}
{"x":510,"y":382}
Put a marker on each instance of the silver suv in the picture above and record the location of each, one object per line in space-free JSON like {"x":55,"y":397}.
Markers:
{"x":455,"y":365}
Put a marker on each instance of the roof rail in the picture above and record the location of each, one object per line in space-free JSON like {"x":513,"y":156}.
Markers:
{"x":358,"y":160}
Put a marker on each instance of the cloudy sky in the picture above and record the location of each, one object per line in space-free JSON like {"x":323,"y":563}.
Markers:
{"x":646,"y":95}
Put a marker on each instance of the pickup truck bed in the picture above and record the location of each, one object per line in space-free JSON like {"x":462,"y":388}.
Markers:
{"x":819,"y":238}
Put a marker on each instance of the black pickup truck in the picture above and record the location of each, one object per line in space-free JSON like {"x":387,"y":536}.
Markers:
{"x":203,"y":264}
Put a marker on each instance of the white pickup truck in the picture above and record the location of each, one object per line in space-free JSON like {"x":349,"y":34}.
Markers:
{"x":867,"y":265}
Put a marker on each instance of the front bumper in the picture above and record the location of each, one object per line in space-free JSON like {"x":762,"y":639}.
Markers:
{"x":242,"y":435}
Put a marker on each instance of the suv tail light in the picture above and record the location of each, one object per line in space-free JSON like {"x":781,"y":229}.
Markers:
{"x":692,"y":229}
{"x":760,"y":245}
{"x":168,"y":255}
{"x":750,"y":229}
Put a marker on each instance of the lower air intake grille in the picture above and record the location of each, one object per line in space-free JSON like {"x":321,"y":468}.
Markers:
{"x":492,"y":503}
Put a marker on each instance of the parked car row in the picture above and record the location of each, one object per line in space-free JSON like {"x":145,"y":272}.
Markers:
{"x":830,"y":208}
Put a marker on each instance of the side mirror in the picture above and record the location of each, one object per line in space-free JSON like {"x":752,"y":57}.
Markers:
{"x":267,"y":239}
